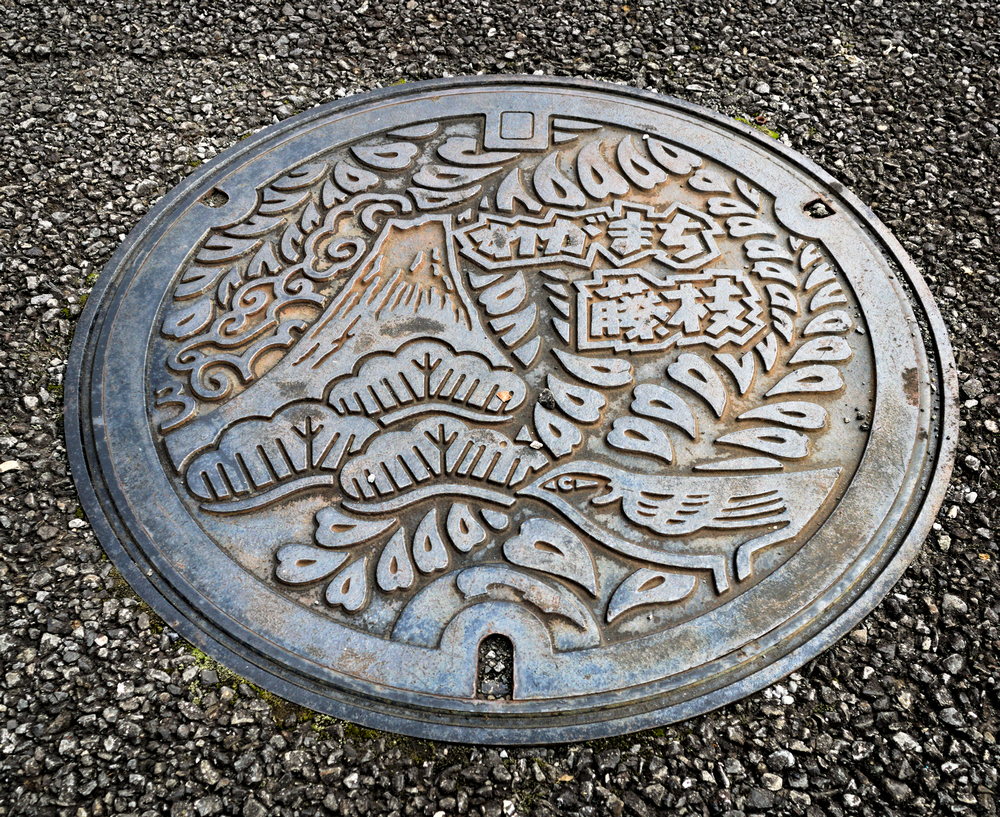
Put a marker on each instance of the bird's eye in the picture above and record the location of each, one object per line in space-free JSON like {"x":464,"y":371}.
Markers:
{"x":565,"y":484}
{"x":569,"y":483}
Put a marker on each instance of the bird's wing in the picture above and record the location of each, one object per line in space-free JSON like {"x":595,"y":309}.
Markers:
{"x":696,"y":505}
{"x":671,"y":514}
{"x":765,"y":507}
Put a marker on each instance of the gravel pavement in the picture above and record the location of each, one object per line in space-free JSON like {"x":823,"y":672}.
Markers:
{"x":106,"y":104}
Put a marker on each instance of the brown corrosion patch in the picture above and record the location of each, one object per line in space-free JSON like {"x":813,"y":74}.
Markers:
{"x":911,"y":386}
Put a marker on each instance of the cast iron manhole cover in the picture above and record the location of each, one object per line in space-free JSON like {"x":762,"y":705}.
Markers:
{"x":511,"y":410}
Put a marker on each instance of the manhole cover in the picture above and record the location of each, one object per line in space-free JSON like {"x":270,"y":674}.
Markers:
{"x":511,"y":410}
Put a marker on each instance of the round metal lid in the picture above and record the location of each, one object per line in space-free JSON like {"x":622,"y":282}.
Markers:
{"x":511,"y":410}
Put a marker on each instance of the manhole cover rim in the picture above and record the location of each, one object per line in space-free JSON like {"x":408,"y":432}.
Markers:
{"x":282,"y":679}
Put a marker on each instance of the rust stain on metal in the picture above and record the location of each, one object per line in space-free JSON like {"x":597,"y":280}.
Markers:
{"x":911,"y":385}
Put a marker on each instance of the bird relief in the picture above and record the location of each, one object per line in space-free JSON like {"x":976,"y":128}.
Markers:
{"x":590,"y":376}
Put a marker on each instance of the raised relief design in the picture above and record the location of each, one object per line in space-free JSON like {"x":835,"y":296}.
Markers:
{"x":622,"y":234}
{"x":518,"y":358}
{"x":637,"y":311}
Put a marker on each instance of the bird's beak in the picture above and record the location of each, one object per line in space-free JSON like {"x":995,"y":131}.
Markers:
{"x":534,"y":489}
